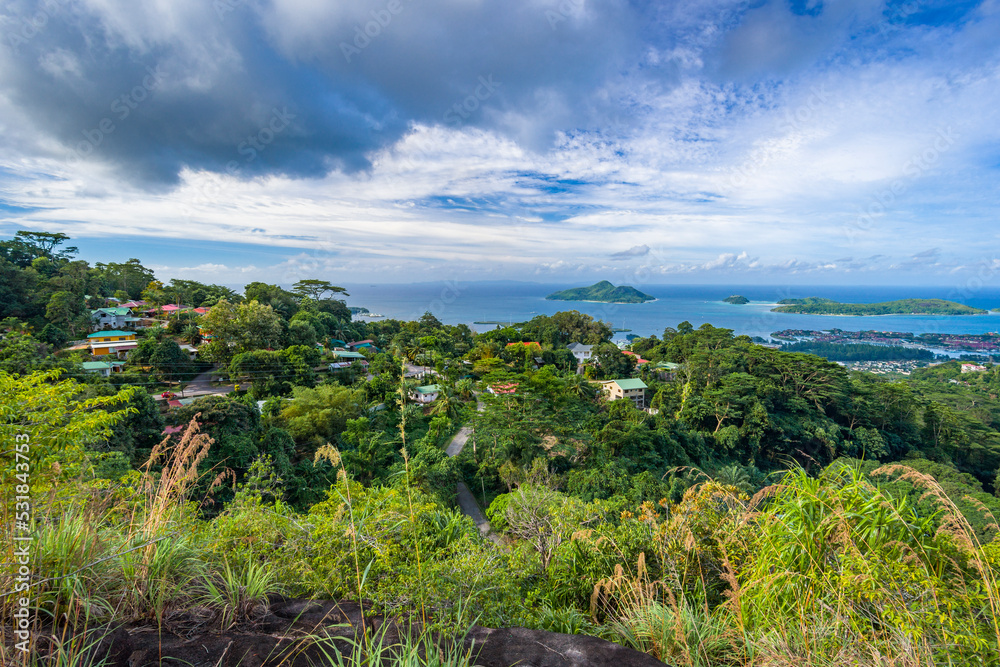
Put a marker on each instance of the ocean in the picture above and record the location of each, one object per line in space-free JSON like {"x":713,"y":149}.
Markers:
{"x":470,"y":302}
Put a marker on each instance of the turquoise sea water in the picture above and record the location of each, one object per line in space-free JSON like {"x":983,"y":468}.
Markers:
{"x":457,"y":302}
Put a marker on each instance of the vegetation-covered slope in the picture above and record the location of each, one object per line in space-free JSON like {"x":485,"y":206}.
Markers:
{"x":818,"y":306}
{"x":604,"y":292}
{"x":769,"y":508}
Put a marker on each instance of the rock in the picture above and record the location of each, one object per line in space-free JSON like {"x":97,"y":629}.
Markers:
{"x":537,"y":648}
{"x":276,"y":640}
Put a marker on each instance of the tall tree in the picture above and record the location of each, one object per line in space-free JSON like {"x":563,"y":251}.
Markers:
{"x":26,"y":247}
{"x":130,"y":277}
{"x":240,"y":328}
{"x":314,"y":289}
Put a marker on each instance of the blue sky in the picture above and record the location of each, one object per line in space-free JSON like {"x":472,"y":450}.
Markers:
{"x":547,"y":140}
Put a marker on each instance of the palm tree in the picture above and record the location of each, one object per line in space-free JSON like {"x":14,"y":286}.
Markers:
{"x":577,"y":385}
{"x":466,"y":388}
{"x":191,"y":334}
{"x":734,"y":475}
{"x":447,"y":402}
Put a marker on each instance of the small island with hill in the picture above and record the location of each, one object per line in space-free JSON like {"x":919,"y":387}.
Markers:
{"x":602,"y":292}
{"x":818,"y":306}
{"x":736,"y":300}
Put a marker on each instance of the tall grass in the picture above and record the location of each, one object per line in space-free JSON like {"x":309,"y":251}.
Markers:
{"x":816,"y":571}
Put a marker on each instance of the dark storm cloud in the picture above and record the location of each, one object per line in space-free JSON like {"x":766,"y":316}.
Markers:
{"x":298,"y":87}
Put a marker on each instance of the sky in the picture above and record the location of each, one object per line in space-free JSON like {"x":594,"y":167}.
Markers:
{"x":559,"y":141}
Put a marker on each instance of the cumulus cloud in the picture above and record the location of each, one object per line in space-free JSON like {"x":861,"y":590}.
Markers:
{"x":526,"y":137}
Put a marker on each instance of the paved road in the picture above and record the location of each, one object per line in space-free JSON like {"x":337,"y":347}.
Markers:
{"x":458,"y":442}
{"x":466,"y":501}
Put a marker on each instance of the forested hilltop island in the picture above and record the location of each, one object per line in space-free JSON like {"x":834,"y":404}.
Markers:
{"x":603,"y":292}
{"x":818,"y":306}
{"x":736,"y":300}
{"x":224,"y":477}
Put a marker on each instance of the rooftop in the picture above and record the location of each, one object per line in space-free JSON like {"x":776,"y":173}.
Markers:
{"x":627,"y":384}
{"x":110,"y":334}
{"x":428,"y":389}
{"x":338,"y":354}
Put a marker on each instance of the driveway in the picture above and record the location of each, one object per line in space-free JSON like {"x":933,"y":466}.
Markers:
{"x":466,"y":501}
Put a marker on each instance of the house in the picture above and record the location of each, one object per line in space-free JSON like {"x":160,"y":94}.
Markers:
{"x":666,"y":370}
{"x":972,"y":368}
{"x":425,"y":394}
{"x":361,"y":344}
{"x":336,"y":343}
{"x":343,"y":355}
{"x":190,"y":350}
{"x":133,"y":304}
{"x":114,"y":342}
{"x":634,"y":390}
{"x":103,"y":368}
{"x":580,"y":351}
{"x":111,"y":318}
{"x":343,"y":359}
{"x":638,"y":360}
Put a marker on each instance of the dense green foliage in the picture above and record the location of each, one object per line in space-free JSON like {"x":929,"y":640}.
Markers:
{"x":604,"y":292}
{"x":818,"y":306}
{"x":770,"y":507}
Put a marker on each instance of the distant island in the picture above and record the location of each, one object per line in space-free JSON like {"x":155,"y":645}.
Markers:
{"x":358,"y":310}
{"x":603,"y":292}
{"x":737,"y":299}
{"x":817,"y":306}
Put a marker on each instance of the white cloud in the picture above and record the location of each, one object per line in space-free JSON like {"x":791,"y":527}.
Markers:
{"x":703,"y":153}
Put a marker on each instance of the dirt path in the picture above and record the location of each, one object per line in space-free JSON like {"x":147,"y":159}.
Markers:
{"x":466,"y":501}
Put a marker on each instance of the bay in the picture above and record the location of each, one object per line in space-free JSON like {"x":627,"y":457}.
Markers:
{"x":456,"y":302}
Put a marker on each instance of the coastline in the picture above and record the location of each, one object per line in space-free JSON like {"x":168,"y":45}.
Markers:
{"x":617,"y":303}
{"x":785,"y":312}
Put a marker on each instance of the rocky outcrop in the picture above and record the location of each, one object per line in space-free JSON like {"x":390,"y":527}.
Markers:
{"x":305,"y":633}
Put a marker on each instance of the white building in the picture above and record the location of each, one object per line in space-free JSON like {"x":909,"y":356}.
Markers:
{"x":426,"y":394}
{"x":580,"y":351}
{"x":111,"y":318}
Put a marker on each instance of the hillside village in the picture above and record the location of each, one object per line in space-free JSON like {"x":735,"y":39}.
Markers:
{"x":539,"y":473}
